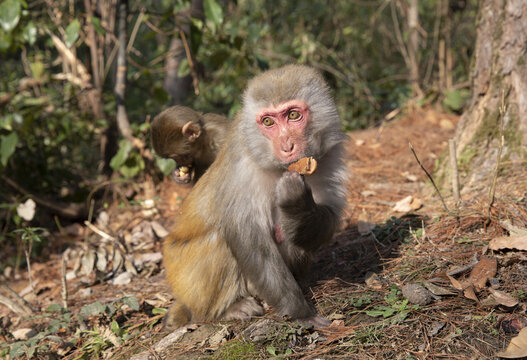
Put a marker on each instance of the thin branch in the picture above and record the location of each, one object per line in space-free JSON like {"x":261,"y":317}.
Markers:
{"x":15,"y":303}
{"x":429,"y":177}
{"x":99,"y":232}
{"x":398,"y":36}
{"x":190,"y":62}
{"x":64,"y":292}
{"x":70,"y":211}
{"x":455,"y":173}
{"x":28,"y":262}
{"x":13,"y":306}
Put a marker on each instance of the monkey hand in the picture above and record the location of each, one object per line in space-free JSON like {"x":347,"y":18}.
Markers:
{"x":292,"y":193}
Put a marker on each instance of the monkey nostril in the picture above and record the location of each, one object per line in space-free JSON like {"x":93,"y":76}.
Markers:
{"x":288,"y":148}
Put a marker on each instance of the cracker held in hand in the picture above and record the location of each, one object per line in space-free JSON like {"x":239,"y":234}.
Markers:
{"x":304,"y":166}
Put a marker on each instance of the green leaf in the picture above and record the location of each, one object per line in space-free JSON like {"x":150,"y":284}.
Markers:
{"x":184,"y":68}
{"x":37,"y":69}
{"x":271,"y":350}
{"x":165,"y":165}
{"x":124,"y":150}
{"x":133,"y":165}
{"x":213,"y":12}
{"x":97,"y":25}
{"x":131,"y":301}
{"x":455,"y":99}
{"x":159,"y":311}
{"x":7,"y":147}
{"x":115,"y":328}
{"x":30,"y":33}
{"x":72,"y":32}
{"x":93,"y":309}
{"x":5,"y":40}
{"x":9,"y":14}
{"x":17,"y":349}
{"x":54,"y":308}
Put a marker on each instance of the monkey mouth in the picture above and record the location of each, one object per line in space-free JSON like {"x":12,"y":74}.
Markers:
{"x":184,"y":174}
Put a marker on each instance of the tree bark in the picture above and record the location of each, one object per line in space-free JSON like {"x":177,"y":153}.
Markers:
{"x":176,"y":86}
{"x":498,"y":106}
{"x":120,"y":82}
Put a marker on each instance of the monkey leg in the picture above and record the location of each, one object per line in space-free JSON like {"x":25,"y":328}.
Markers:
{"x":205,"y":280}
{"x":244,"y":310}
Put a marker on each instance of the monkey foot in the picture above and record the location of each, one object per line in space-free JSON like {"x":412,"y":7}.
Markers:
{"x":244,"y":310}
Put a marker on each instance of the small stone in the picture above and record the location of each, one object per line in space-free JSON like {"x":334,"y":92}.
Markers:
{"x":159,"y":229}
{"x":70,"y":275}
{"x":23,"y":334}
{"x":85,"y":292}
{"x":416,"y":294}
{"x":123,"y":279}
{"x":446,"y":124}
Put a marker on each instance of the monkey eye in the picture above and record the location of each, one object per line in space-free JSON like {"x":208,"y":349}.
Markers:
{"x":294,"y":115}
{"x":267,"y":121}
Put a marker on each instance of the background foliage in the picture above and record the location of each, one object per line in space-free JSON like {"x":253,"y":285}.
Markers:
{"x":54,"y":137}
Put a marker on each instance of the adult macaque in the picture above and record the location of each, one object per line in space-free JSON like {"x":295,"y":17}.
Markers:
{"x":249,"y":226}
{"x":192,"y":139}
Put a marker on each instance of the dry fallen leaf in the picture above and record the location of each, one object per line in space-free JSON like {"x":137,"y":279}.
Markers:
{"x":509,"y":242}
{"x":455,"y":283}
{"x":503,"y":298}
{"x":484,"y":269}
{"x":336,"y":323}
{"x":517,"y":348}
{"x":373,"y":281}
{"x":363,"y":225}
{"x":470,"y":294}
{"x":408,"y":204}
{"x":437,"y":290}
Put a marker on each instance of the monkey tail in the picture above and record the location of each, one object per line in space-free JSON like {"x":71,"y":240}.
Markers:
{"x":177,"y":316}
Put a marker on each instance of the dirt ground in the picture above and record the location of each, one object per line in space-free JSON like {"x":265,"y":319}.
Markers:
{"x":401,"y":280}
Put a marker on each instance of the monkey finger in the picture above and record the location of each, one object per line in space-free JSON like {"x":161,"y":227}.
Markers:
{"x":290,"y":189}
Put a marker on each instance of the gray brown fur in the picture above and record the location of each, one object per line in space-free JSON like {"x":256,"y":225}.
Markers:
{"x":222,"y":249}
{"x":169,"y":142}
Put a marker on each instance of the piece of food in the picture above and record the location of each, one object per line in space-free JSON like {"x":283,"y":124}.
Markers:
{"x":304,"y":166}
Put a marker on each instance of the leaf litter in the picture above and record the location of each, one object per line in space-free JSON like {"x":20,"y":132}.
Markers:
{"x":360,"y":281}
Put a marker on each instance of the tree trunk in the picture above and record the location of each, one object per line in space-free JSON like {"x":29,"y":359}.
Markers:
{"x":498,"y":106}
{"x":179,"y":87}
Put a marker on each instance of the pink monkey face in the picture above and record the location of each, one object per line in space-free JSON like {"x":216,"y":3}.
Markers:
{"x":285,"y":126}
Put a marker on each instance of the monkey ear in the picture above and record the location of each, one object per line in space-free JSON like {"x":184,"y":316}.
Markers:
{"x":191,"y":131}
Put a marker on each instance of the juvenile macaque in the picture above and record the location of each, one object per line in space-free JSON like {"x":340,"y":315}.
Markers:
{"x":249,"y":227}
{"x":190,"y":138}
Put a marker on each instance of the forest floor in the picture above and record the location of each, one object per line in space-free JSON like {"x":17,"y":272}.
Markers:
{"x":403,"y":279}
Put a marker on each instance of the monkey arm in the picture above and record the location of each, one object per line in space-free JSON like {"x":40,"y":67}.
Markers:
{"x":302,"y":221}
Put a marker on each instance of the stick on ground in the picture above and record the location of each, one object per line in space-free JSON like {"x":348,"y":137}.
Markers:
{"x":429,"y":177}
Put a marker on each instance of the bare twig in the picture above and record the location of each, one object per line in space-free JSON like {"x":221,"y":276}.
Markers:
{"x":455,"y":173}
{"x":429,"y":177}
{"x":99,"y":232}
{"x":190,"y":62}
{"x":28,"y":262}
{"x":13,"y":306}
{"x":15,"y":303}
{"x":70,"y":211}
{"x":64,"y":292}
